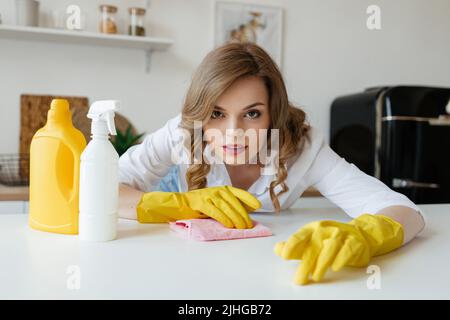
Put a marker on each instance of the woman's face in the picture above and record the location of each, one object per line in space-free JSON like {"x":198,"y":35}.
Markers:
{"x":234,"y":129}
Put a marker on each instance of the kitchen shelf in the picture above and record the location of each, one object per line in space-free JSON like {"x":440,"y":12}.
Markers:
{"x":148,"y":44}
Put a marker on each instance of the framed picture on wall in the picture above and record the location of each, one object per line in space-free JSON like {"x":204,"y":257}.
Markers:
{"x":246,"y":22}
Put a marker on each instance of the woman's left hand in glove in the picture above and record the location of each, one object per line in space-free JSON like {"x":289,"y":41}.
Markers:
{"x":324,"y":244}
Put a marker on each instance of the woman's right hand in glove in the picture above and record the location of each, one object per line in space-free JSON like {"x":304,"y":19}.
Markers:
{"x":226,"y":204}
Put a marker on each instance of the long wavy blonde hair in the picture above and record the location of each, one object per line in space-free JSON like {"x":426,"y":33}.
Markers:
{"x":218,"y":70}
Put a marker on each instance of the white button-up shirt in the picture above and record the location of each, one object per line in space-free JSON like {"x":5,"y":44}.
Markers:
{"x":144,"y":165}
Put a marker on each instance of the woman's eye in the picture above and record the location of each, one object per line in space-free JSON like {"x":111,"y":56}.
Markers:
{"x":216,"y":114}
{"x":253,"y":114}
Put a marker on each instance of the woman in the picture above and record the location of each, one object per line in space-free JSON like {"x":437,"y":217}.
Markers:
{"x":238,"y":89}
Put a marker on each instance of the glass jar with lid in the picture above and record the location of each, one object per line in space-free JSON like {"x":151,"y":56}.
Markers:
{"x":136,"y":25}
{"x":108,"y":19}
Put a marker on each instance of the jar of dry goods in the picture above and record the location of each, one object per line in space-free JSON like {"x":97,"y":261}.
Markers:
{"x":108,"y":19}
{"x":136,"y":25}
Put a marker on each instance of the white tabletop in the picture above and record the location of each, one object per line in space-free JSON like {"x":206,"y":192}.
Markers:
{"x":148,"y":261}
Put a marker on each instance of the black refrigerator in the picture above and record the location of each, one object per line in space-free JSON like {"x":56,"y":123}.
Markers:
{"x":398,"y":134}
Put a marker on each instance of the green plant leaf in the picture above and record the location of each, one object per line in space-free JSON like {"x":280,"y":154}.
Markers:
{"x":124,"y":140}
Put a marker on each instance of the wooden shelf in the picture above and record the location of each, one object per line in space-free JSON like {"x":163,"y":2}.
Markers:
{"x":14,"y":193}
{"x":311,"y":192}
{"x":148,"y":44}
{"x":22,"y":193}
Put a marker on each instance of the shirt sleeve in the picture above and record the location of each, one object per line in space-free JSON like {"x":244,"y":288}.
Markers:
{"x":144,"y":165}
{"x":349,"y":188}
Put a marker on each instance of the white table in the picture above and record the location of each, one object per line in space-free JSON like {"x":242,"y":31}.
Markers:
{"x":149,"y":261}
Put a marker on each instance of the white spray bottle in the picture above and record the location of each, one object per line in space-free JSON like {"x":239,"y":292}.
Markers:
{"x":99,"y":177}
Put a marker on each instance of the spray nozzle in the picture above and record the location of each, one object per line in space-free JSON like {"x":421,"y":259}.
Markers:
{"x":102,"y":114}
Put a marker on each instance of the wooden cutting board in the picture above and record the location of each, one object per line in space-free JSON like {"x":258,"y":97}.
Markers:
{"x":33,"y":116}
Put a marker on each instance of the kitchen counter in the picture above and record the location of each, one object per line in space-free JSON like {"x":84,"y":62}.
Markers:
{"x":22,"y":193}
{"x":149,"y":261}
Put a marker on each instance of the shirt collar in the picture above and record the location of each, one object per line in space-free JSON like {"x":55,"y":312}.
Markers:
{"x":218,"y":176}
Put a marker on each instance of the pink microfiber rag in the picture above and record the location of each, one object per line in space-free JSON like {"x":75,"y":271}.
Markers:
{"x":210,"y":229}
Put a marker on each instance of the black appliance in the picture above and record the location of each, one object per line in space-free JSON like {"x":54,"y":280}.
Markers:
{"x":398,"y":134}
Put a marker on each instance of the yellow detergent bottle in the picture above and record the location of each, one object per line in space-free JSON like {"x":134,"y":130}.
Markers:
{"x":54,"y":172}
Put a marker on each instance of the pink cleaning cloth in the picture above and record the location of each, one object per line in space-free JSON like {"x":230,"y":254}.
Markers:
{"x":210,"y":229}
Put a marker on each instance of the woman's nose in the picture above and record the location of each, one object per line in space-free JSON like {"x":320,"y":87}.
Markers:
{"x":233,"y":129}
{"x":232,"y":123}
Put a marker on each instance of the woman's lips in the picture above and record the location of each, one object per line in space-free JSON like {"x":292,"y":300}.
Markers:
{"x":234,"y":148}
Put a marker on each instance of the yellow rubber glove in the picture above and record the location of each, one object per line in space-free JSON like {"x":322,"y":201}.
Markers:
{"x":226,"y":204}
{"x":325,"y":244}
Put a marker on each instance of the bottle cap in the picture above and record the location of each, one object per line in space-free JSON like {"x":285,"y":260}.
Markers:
{"x":102,"y":114}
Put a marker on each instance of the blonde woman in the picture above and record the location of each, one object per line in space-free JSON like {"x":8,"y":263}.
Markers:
{"x":238,"y":89}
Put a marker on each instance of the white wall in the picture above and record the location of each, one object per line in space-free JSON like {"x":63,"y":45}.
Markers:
{"x":327,"y":52}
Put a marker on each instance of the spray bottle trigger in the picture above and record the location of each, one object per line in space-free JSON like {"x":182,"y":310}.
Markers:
{"x":110,"y":123}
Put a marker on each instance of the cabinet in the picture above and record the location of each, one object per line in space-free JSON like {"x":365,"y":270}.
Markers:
{"x":8,"y":207}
